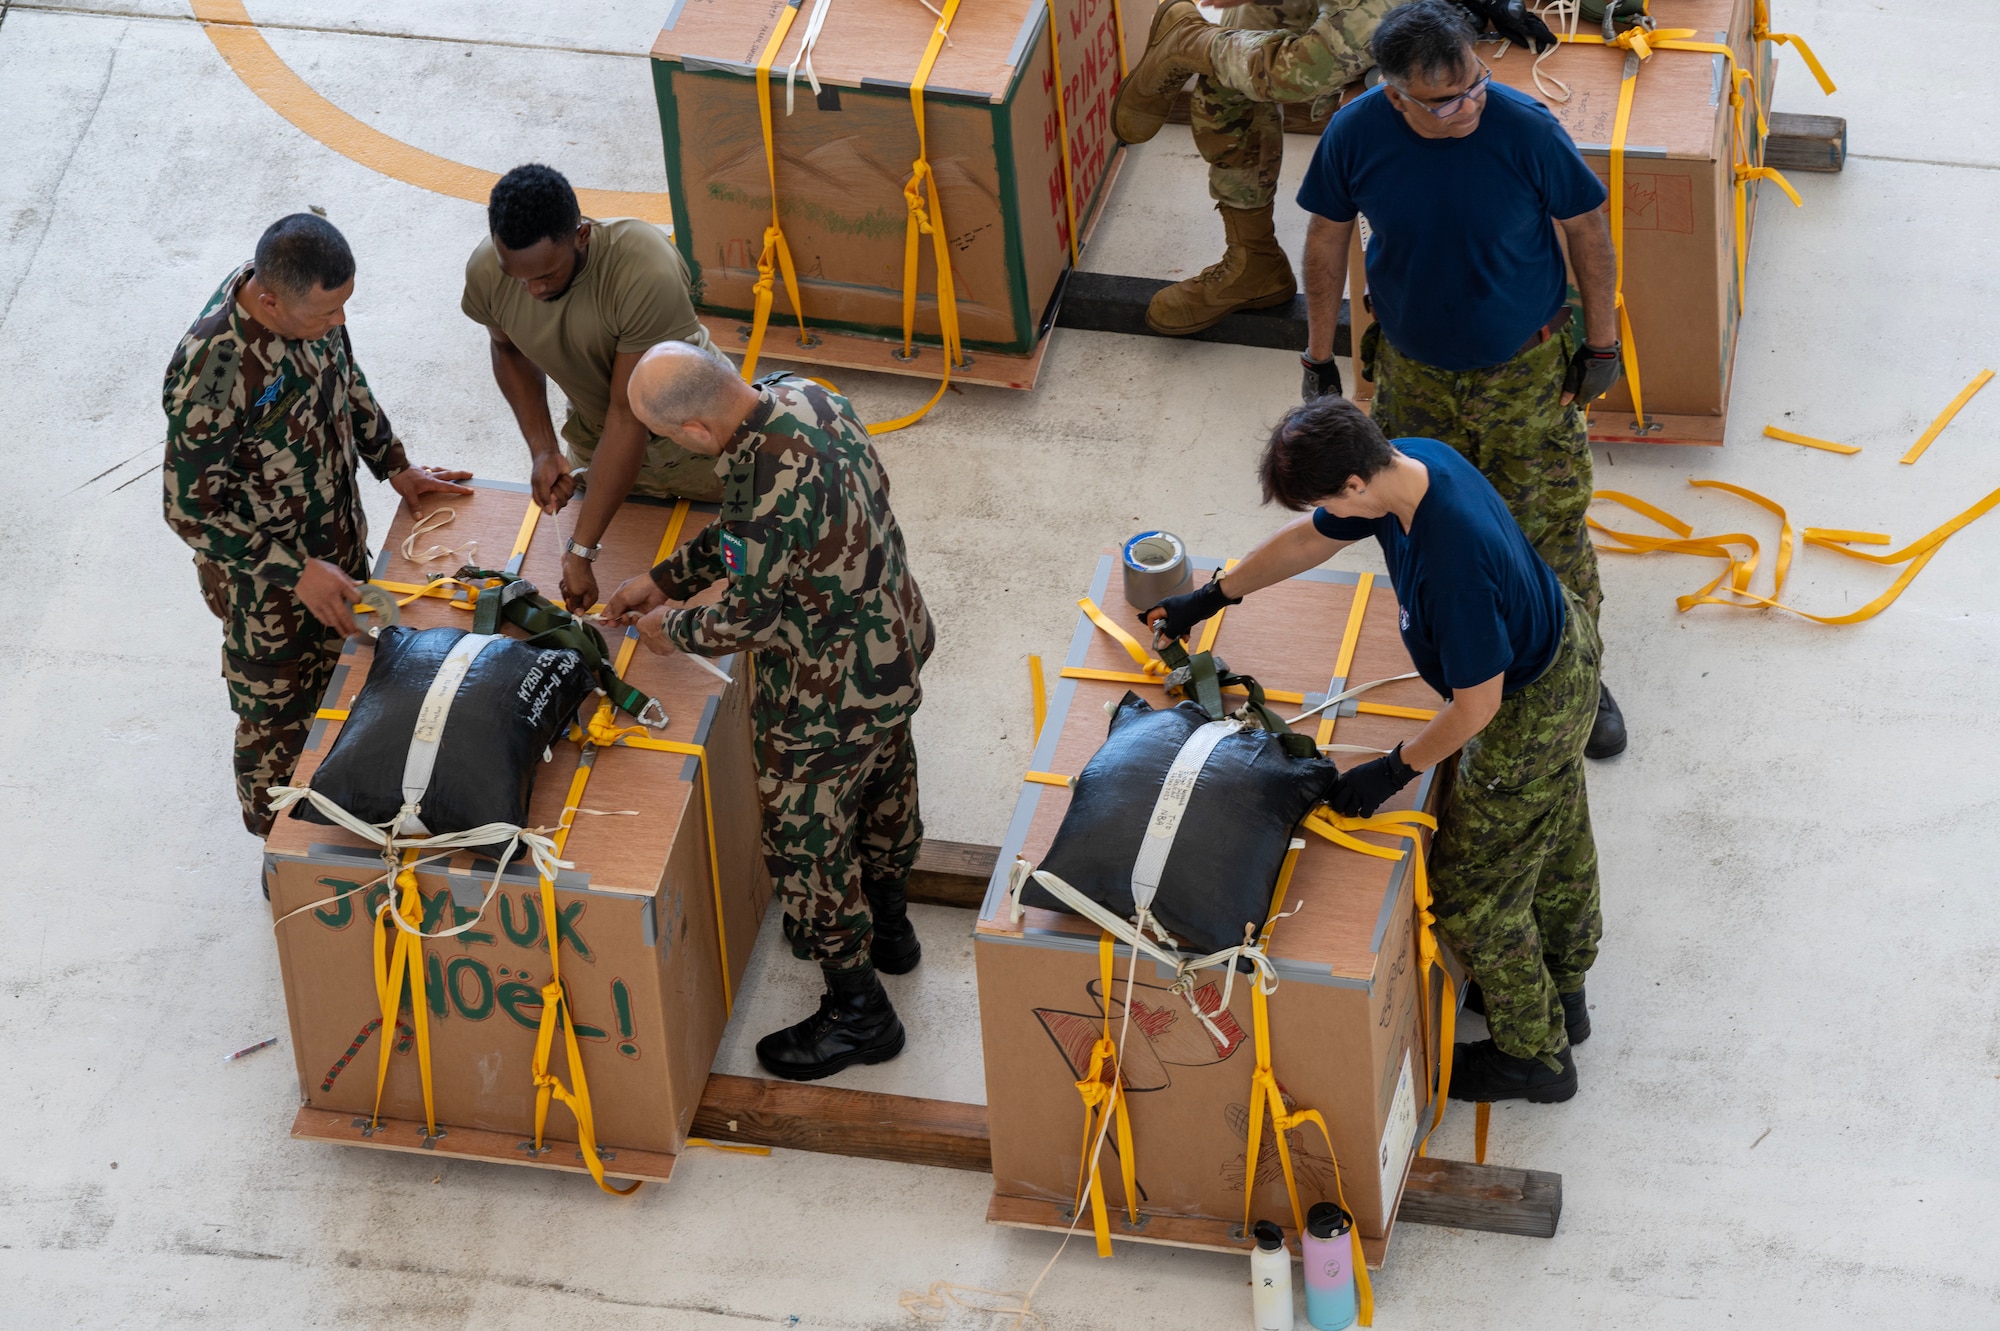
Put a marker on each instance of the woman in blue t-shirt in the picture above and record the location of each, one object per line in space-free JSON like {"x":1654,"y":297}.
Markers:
{"x":1487,"y":624}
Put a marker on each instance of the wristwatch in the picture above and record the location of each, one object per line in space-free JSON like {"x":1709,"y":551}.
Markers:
{"x":588,"y":552}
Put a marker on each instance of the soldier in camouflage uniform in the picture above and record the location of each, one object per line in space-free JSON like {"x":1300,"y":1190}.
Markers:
{"x":266,"y":415}
{"x":1465,"y":184}
{"x":818,"y":584}
{"x":1263,"y":56}
{"x":1487,"y":624}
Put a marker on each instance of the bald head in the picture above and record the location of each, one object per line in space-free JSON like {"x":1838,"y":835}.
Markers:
{"x":690,"y":395}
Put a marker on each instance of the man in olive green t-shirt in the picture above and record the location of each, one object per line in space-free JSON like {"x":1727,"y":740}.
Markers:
{"x":579,"y":301}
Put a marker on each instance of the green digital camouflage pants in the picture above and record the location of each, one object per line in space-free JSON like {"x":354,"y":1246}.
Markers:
{"x":1508,"y":420}
{"x":831,"y":823}
{"x":1514,"y":867}
{"x":1267,"y":55}
{"x":276,"y":660}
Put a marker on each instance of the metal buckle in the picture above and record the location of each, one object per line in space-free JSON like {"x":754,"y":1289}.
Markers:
{"x":650,"y":710}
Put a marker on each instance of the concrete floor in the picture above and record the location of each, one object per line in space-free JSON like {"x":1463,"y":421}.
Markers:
{"x":1789,"y":1109}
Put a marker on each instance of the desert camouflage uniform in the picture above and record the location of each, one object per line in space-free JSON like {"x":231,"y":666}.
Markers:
{"x":1509,"y":421}
{"x":262,"y":437}
{"x":1514,"y":868}
{"x":819,"y":584}
{"x":1269,"y":54}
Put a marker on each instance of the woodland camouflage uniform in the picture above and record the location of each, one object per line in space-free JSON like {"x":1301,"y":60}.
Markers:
{"x":818,"y":582}
{"x":1266,"y":55}
{"x":1514,"y":866}
{"x":262,"y":439}
{"x":1508,"y":420}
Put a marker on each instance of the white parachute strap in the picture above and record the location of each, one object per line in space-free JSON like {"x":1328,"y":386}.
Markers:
{"x":1133,"y":935}
{"x":427,"y":735}
{"x":541,"y":851}
{"x":1354,"y":692}
{"x":1565,"y":13}
{"x":804,"y":56}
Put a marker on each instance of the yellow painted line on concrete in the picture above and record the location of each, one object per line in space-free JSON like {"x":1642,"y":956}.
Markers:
{"x":229,"y":25}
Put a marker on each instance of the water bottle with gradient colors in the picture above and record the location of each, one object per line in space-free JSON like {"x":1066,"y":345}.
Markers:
{"x":1329,"y":1263}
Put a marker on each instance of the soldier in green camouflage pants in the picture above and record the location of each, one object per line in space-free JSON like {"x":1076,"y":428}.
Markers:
{"x":1510,"y":421}
{"x":1514,"y":867}
{"x":817,"y":584}
{"x":267,"y":414}
{"x":1262,"y":57}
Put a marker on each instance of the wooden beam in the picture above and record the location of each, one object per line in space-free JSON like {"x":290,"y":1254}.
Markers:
{"x":1109,"y":303}
{"x":1806,"y":143}
{"x":753,"y":1111}
{"x":952,"y":873}
{"x":1493,"y":1198}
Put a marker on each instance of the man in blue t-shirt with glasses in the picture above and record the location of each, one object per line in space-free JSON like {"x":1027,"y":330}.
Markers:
{"x":1465,"y":183}
{"x":1514,"y":866}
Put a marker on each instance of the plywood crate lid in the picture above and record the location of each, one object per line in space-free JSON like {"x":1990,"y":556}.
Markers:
{"x":1680,"y":101}
{"x":873,"y":43}
{"x":621,"y":854}
{"x":1288,"y":637}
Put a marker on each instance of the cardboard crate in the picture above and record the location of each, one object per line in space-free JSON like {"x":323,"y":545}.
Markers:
{"x":641,"y":957}
{"x":1346,"y":1035}
{"x":843,"y":159}
{"x":1680,"y":220}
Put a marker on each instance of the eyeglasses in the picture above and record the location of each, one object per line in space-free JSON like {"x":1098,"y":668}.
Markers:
{"x":1451,"y":105}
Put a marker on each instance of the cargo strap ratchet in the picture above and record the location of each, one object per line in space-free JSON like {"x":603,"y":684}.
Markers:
{"x":1266,"y":1093}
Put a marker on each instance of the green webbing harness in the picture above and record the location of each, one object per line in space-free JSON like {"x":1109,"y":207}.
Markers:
{"x":518,"y":602}
{"x":1202,"y":676}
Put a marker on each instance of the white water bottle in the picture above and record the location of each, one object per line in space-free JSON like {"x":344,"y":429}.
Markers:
{"x":1270,"y":1278}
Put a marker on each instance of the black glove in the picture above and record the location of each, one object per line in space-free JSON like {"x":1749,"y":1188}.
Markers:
{"x":1363,"y":788}
{"x":1592,"y":371}
{"x":1511,"y":19}
{"x":1183,"y":612}
{"x":1322,"y":377}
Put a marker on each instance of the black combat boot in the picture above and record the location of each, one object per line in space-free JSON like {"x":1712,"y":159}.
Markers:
{"x":1484,"y":1072}
{"x":894,"y":947}
{"x":1607,"y":734}
{"x":854,"y":1024}
{"x":1576,"y":1013}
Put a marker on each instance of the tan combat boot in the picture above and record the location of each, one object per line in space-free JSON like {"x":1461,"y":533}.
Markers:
{"x":1254,"y":273}
{"x":1176,"y":50}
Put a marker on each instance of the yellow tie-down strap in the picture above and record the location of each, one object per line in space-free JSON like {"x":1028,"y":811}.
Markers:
{"x":1761,"y":31}
{"x":1103,"y":1092}
{"x":1410,"y":826}
{"x":1639,"y":44}
{"x":391,"y":966}
{"x":1266,"y":1093}
{"x":1152,"y":670}
{"x":1733,"y":582}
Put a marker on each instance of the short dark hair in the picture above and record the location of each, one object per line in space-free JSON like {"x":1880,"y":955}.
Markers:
{"x":531,"y":204}
{"x":1315,"y":448}
{"x":299,"y":252}
{"x":1429,"y":37}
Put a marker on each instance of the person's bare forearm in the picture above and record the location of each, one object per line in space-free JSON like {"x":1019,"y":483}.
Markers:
{"x":1596,"y":266}
{"x":1326,"y":278}
{"x":526,"y":389}
{"x":1468,"y":713}
{"x":1287,"y":552}
{"x":621,"y":452}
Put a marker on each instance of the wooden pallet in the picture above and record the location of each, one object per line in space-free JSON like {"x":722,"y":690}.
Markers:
{"x":834,"y":1120}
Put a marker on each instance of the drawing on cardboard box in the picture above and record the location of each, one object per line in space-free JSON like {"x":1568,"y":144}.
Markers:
{"x":1315,"y":1170}
{"x":1162,"y":1034}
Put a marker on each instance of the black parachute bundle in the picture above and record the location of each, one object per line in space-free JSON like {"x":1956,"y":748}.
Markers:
{"x":1239,"y":802}
{"x":507,"y":709}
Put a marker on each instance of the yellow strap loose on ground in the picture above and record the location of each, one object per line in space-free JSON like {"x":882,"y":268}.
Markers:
{"x":1787,"y":436}
{"x":926,"y":218}
{"x":1914,"y":556}
{"x":1925,"y":440}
